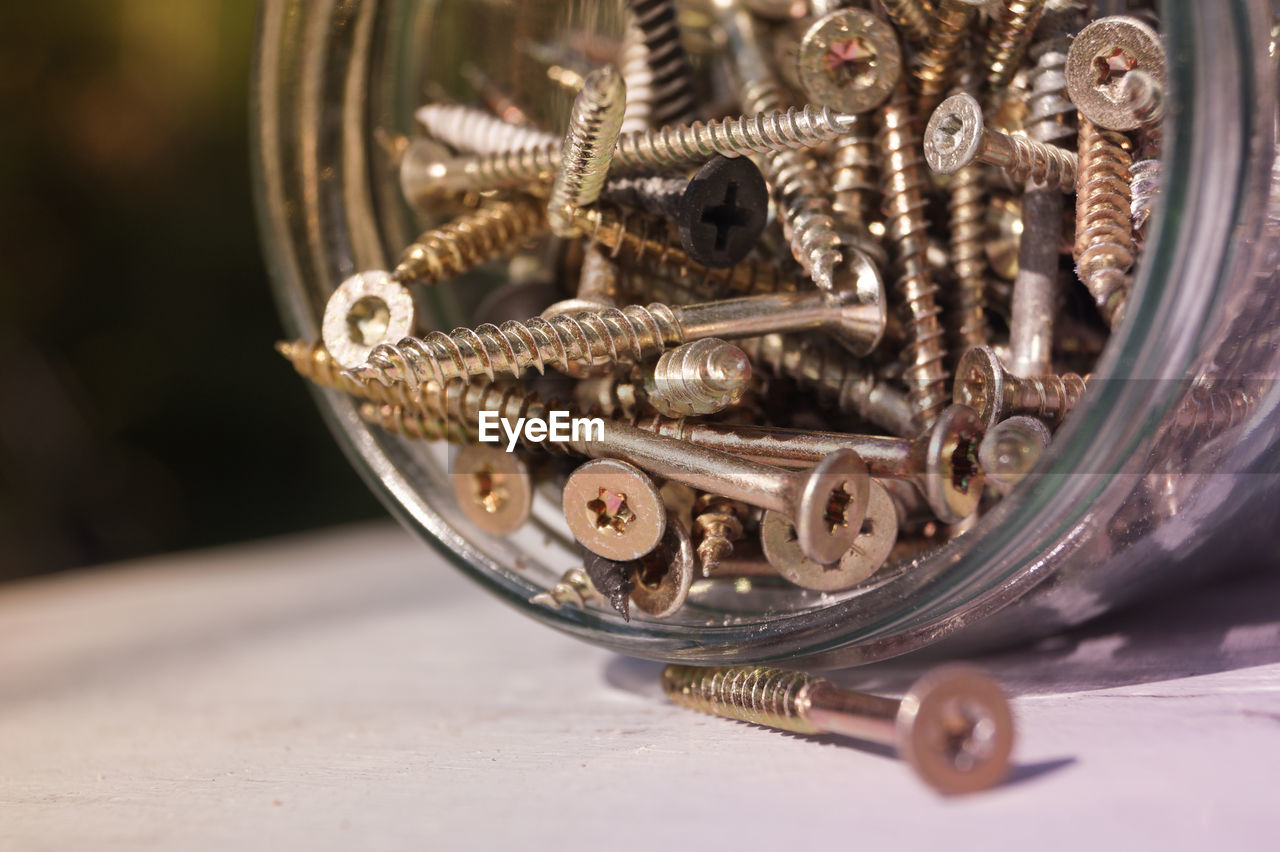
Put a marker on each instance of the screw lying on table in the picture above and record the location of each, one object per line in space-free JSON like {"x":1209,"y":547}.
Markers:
{"x":1102,"y":56}
{"x":953,"y":726}
{"x":983,"y":384}
{"x":957,"y":136}
{"x":719,"y":213}
{"x":594,"y":123}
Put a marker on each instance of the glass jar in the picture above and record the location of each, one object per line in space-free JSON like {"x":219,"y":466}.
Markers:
{"x":1165,"y":473}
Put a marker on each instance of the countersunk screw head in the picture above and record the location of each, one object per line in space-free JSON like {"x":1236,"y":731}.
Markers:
{"x":664,"y":575}
{"x":365,"y":311}
{"x":849,"y":60}
{"x":955,"y":729}
{"x":832,"y":504}
{"x":980,"y":384}
{"x":954,"y":136}
{"x":876,"y":537}
{"x":614,"y":509}
{"x":723,"y":211}
{"x":1101,"y":56}
{"x":493,"y":488}
{"x":953,"y":479}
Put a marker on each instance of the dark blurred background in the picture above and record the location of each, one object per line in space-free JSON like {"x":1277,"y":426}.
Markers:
{"x":143,"y":407}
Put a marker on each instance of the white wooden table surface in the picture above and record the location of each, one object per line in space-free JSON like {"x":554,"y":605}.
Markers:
{"x":349,"y":690}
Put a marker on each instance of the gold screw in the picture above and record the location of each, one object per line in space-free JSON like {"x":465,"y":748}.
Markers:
{"x":953,"y":726}
{"x":1104,"y":249}
{"x":594,"y":123}
{"x":1007,"y":43}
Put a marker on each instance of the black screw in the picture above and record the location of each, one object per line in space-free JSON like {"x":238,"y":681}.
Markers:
{"x":611,"y":579}
{"x":719,"y":213}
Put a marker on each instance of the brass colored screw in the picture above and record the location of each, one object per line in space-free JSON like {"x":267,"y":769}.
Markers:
{"x":594,"y":123}
{"x":664,"y":575}
{"x":612,"y":335}
{"x":957,"y":136}
{"x":953,"y":726}
{"x":968,"y":205}
{"x":1104,"y":249}
{"x":493,"y":488}
{"x":409,"y":422}
{"x":904,"y":202}
{"x":985,"y":385}
{"x":674,"y":145}
{"x":1007,"y":43}
{"x":719,"y":522}
{"x":911,"y":17}
{"x":614,"y":509}
{"x":849,"y":60}
{"x":936,"y":62}
{"x":313,"y":362}
{"x":1102,"y":58}
{"x":1011,"y":449}
{"x":574,"y":588}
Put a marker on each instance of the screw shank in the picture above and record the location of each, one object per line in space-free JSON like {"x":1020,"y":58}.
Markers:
{"x":853,"y":714}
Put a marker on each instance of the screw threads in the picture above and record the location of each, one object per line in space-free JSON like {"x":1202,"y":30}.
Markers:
{"x":1104,"y":249}
{"x":673,"y":95}
{"x":574,"y":588}
{"x":1007,"y":42}
{"x":476,"y":131}
{"x":1146,"y":180}
{"x":702,"y":377}
{"x":853,"y":176}
{"x":631,"y":244}
{"x":314,"y":363}
{"x":594,"y":123}
{"x":410,"y":423}
{"x":718,"y":520}
{"x":968,"y":257}
{"x":1051,"y":115}
{"x":1046,"y":397}
{"x":585,"y":339}
{"x":638,"y":114}
{"x":911,"y":17}
{"x":904,"y":202}
{"x":936,"y":62}
{"x":1208,"y":412}
{"x":837,"y":380}
{"x":468,"y":241}
{"x":1035,"y":162}
{"x":764,"y":696}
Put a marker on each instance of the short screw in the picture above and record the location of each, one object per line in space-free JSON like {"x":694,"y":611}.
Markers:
{"x":698,"y":378}
{"x":936,"y":62}
{"x":611,"y":335}
{"x":573,"y":588}
{"x":493,"y":488}
{"x":1102,"y":57}
{"x":1104,"y":249}
{"x":313,"y":362}
{"x":1011,"y":449}
{"x":673,"y":93}
{"x":587,"y":151}
{"x":718,"y":520}
{"x":957,"y":136}
{"x":942,"y":463}
{"x":719,"y":213}
{"x":985,"y":385}
{"x":953,"y":726}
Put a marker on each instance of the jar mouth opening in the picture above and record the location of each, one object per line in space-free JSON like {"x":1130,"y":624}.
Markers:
{"x":914,"y":602}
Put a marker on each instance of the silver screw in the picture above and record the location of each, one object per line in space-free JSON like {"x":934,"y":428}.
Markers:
{"x":594,"y":123}
{"x":1011,"y":449}
{"x":957,"y":136}
{"x":985,"y":385}
{"x":1102,"y":56}
{"x":702,"y":377}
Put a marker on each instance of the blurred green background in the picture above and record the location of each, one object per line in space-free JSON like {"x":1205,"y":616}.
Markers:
{"x":143,"y":407}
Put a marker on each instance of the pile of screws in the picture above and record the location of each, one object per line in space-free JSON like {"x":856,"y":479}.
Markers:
{"x":918,"y":237}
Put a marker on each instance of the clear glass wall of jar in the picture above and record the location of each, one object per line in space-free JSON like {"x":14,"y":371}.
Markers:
{"x":1168,"y":470}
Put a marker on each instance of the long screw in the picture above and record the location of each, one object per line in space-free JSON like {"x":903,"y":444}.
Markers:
{"x":936,"y":62}
{"x":314,"y":363}
{"x":674,"y":145}
{"x":444,"y":253}
{"x":1104,"y":249}
{"x":953,"y":726}
{"x":612,"y":335}
{"x":942,"y":463}
{"x":673,"y":93}
{"x":957,"y":136}
{"x":904,"y":202}
{"x":587,"y":151}
{"x":477,"y":131}
{"x":911,"y":17}
{"x":638,"y":77}
{"x":985,"y":385}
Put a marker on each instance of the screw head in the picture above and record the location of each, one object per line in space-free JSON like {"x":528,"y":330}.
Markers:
{"x":1011,"y":449}
{"x":365,"y":311}
{"x":831,"y":506}
{"x":614,"y":509}
{"x":980,"y":384}
{"x":723,"y":211}
{"x":493,"y":488}
{"x":1101,"y":56}
{"x":878,"y":534}
{"x":863,"y":315}
{"x":955,"y":729}
{"x":953,"y":137}
{"x":849,"y":60}
{"x":664,"y":575}
{"x":953,"y":479}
